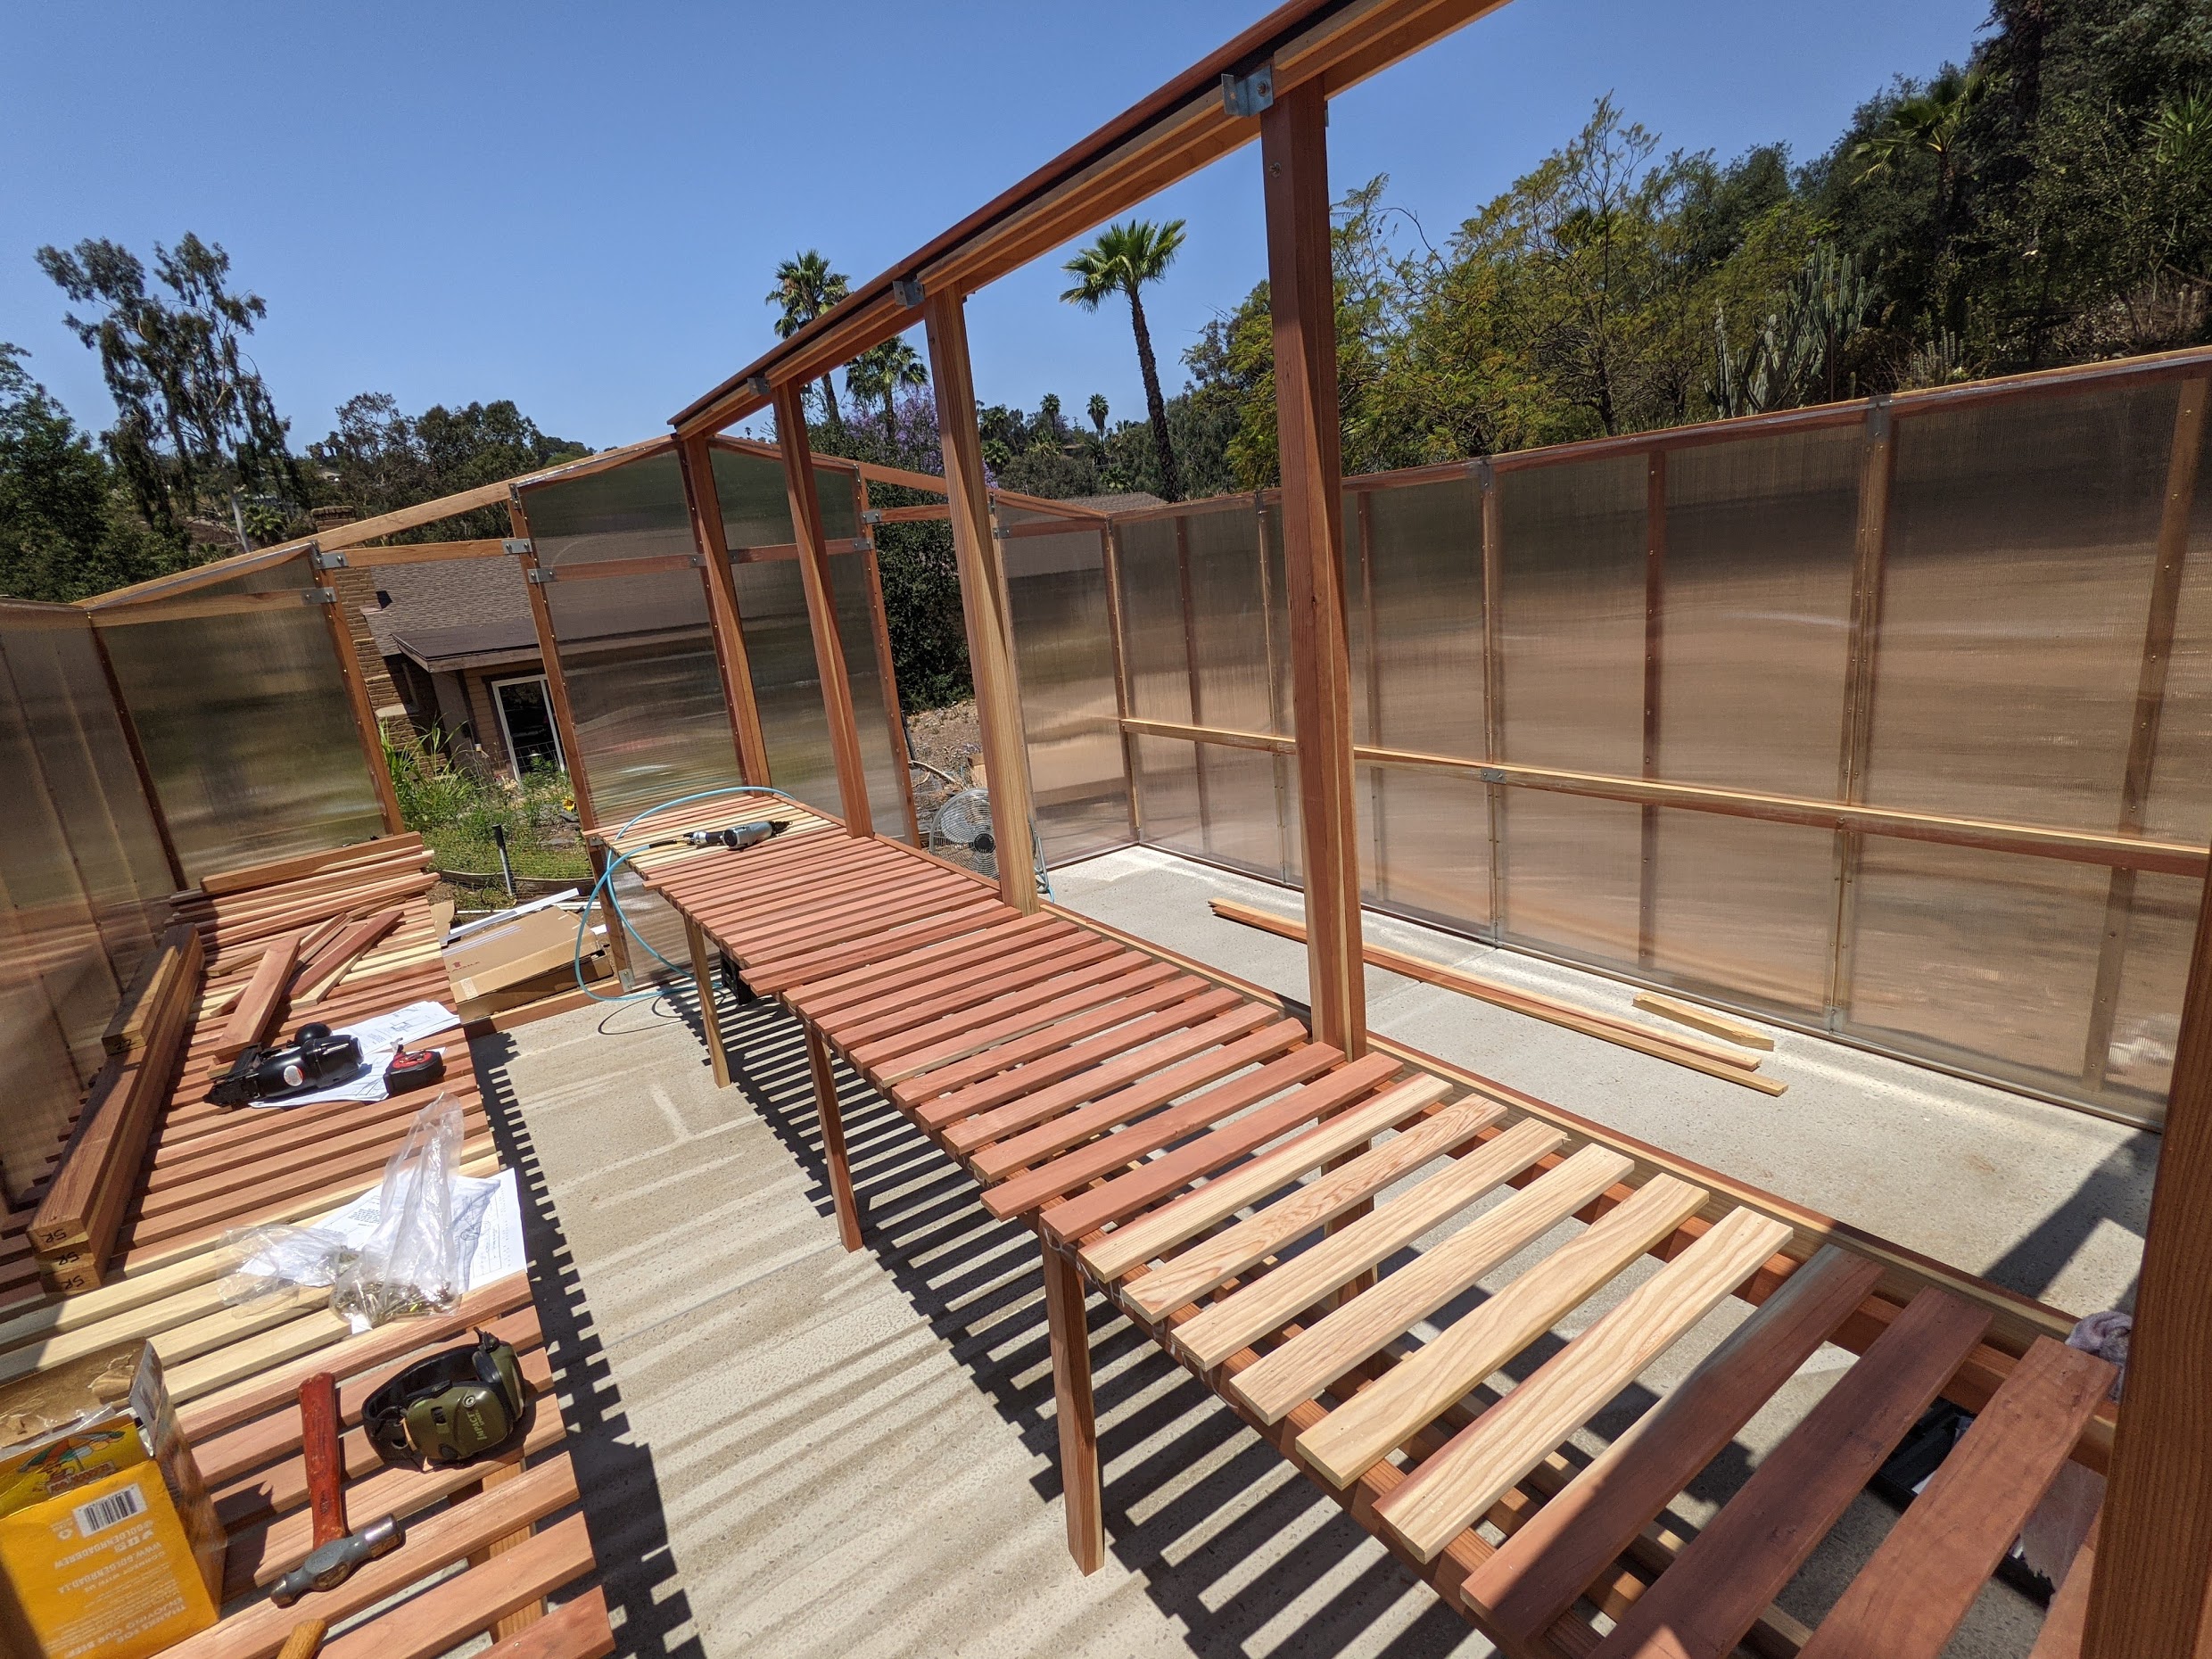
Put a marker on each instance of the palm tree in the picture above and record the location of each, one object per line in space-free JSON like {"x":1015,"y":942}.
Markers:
{"x":1098,"y":412}
{"x":805,"y":287}
{"x":1931,"y":120}
{"x":1122,"y":260}
{"x":880,"y":371}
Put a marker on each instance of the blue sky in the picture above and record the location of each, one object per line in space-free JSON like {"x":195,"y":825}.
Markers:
{"x":579,"y":207}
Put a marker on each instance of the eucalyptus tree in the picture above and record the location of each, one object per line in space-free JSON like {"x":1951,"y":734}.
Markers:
{"x":1123,"y":259}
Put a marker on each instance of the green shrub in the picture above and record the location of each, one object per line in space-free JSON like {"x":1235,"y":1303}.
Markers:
{"x":455,"y":810}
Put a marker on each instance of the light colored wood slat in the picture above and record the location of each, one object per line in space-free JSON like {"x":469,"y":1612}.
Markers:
{"x":1048,"y":1139}
{"x":892,"y":1061}
{"x":1920,"y":1584}
{"x":1158,"y":1179}
{"x":1126,"y":1145}
{"x":1214,"y":1262}
{"x":1702,"y":1605}
{"x":1302,"y":1367}
{"x":1125,"y":1068}
{"x":438,"y":1620}
{"x":1140,"y":1240}
{"x":1456,"y":1486}
{"x":1537,"y":1573}
{"x":1709,"y":1021}
{"x":1271,"y":1301}
{"x":1411,"y":1394}
{"x":1028,"y":1064}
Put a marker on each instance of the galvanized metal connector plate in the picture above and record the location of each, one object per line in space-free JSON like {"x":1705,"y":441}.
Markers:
{"x":517,"y":544}
{"x":873,"y":515}
{"x":907,"y":292}
{"x":325,"y":561}
{"x":1244,"y":95}
{"x":541,"y":575}
{"x":319,"y":596}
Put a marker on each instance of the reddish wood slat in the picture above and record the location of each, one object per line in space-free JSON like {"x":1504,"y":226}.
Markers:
{"x":1014,"y":1068}
{"x":1702,"y":1605}
{"x":1909,"y":1598}
{"x":953,"y":994}
{"x":467,"y":1605}
{"x":795,"y":970}
{"x":576,"y":1629}
{"x":904,"y":1036}
{"x":906,"y":984}
{"x":255,"y":1010}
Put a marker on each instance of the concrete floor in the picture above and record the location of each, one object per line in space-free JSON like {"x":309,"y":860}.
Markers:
{"x":789,"y":1451}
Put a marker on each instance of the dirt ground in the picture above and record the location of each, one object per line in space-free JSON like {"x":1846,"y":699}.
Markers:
{"x":947,"y":739}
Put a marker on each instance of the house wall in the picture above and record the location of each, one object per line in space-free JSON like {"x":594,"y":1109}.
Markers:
{"x":484,"y":713}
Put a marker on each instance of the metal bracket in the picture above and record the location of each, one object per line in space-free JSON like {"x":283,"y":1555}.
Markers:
{"x":319,"y":596}
{"x":1489,"y":774}
{"x":873,"y":515}
{"x":907,"y":292}
{"x":541,"y":575}
{"x":518,"y":545}
{"x":758,"y":387}
{"x":1243,"y":95}
{"x":698,"y":561}
{"x":327,"y":561}
{"x":1485,"y":475}
{"x":999,"y":532}
{"x":1878,"y":416}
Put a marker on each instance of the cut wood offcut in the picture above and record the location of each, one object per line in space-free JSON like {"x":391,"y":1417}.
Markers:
{"x":1729,"y":1065}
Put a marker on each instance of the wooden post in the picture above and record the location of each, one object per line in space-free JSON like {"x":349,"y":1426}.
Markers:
{"x":550,"y":655}
{"x":365,"y":725}
{"x":833,"y":1137}
{"x":1074,"y":1410}
{"x":1869,"y":571}
{"x":2154,"y":1555}
{"x":710,"y":1019}
{"x":894,"y":716}
{"x":2142,"y":738}
{"x":983,"y":598}
{"x":1293,"y":142}
{"x":821,"y":609}
{"x":1654,"y":616}
{"x":703,"y":501}
{"x":1191,"y":676}
{"x":1110,"y":562}
{"x":138,"y":758}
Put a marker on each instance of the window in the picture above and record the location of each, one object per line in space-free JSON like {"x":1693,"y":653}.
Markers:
{"x":527,"y":717}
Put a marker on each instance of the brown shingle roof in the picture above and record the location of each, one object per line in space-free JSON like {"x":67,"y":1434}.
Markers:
{"x":445,"y":614}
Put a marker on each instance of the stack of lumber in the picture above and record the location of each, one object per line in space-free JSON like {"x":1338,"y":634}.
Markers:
{"x":1296,"y":1227}
{"x":490,"y":1542}
{"x":75,"y":1227}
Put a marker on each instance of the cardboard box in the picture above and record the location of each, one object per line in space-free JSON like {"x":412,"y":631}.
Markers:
{"x":533,"y":944}
{"x":109,"y":1544}
{"x":597,"y":967}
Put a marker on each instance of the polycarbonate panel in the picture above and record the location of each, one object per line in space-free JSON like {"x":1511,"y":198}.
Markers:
{"x":1571,"y":613}
{"x":1990,"y":957}
{"x":873,"y":712}
{"x":100,"y":728}
{"x":248,"y":734}
{"x":756,"y":508}
{"x":1167,"y":786}
{"x":639,"y":658}
{"x":2180,"y":803}
{"x":1155,"y":637}
{"x":787,"y":687}
{"x":1755,"y":610}
{"x":2146,"y":1016}
{"x":1246,"y":808}
{"x":1435,"y":834}
{"x":1063,"y":657}
{"x":1413,"y":568}
{"x":102,"y":864}
{"x":632,"y":511}
{"x":2022,"y":536}
{"x":1744,"y":908}
{"x":1229,"y":618}
{"x":1572,"y":867}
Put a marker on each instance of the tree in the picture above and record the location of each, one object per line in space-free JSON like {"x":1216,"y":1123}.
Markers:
{"x":880,"y":374}
{"x":1122,"y":260}
{"x":380,"y":458}
{"x":62,"y":534}
{"x":805,"y":287}
{"x":1098,"y":411}
{"x":194,"y":424}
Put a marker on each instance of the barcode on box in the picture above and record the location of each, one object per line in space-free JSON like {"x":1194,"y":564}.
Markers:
{"x":102,"y":1512}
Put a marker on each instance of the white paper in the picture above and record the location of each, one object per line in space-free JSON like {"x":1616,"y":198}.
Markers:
{"x":380,"y":1038}
{"x":487,"y":1225}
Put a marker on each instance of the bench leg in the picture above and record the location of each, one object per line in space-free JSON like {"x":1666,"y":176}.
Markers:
{"x":710,"y":1018}
{"x":1077,"y":1416}
{"x":833,"y":1137}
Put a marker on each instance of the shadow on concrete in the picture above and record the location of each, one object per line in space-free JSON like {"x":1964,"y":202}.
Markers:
{"x":621,"y":1497}
{"x":2117,"y":1190}
{"x":976,"y":1281}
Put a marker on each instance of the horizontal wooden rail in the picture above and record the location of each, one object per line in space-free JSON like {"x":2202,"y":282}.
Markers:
{"x":607,"y":569}
{"x":423,"y":553}
{"x":206,"y":605}
{"x":2080,"y":846}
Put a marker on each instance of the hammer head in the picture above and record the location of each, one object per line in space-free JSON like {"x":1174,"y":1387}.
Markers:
{"x":333,"y":1563}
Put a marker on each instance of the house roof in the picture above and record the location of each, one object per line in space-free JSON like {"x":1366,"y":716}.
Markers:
{"x":1124,"y":501}
{"x":470,"y":613}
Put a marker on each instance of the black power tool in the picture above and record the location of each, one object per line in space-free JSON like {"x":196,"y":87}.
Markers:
{"x":738,"y":837}
{"x":315,"y":1059}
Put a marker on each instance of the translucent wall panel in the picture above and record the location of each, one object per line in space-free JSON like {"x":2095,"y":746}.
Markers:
{"x":1571,"y":613}
{"x":246,"y":729}
{"x":2022,"y":535}
{"x":1167,"y":783}
{"x":1744,"y":908}
{"x":2162,"y":924}
{"x":875,"y":712}
{"x":639,"y":658}
{"x":1231,"y":627}
{"x":1249,"y":799}
{"x":1756,"y":611}
{"x":1155,"y":639}
{"x":632,"y":511}
{"x":1436,"y":833}
{"x":2180,"y":804}
{"x":756,"y":509}
{"x":1571,"y":869}
{"x":1414,"y":572}
{"x":1064,"y":657}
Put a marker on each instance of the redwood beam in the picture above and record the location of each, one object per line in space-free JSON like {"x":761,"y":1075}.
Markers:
{"x":704,"y":502}
{"x":549,"y":656}
{"x":1294,"y":143}
{"x":365,"y":726}
{"x":983,"y":598}
{"x":821,"y":611}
